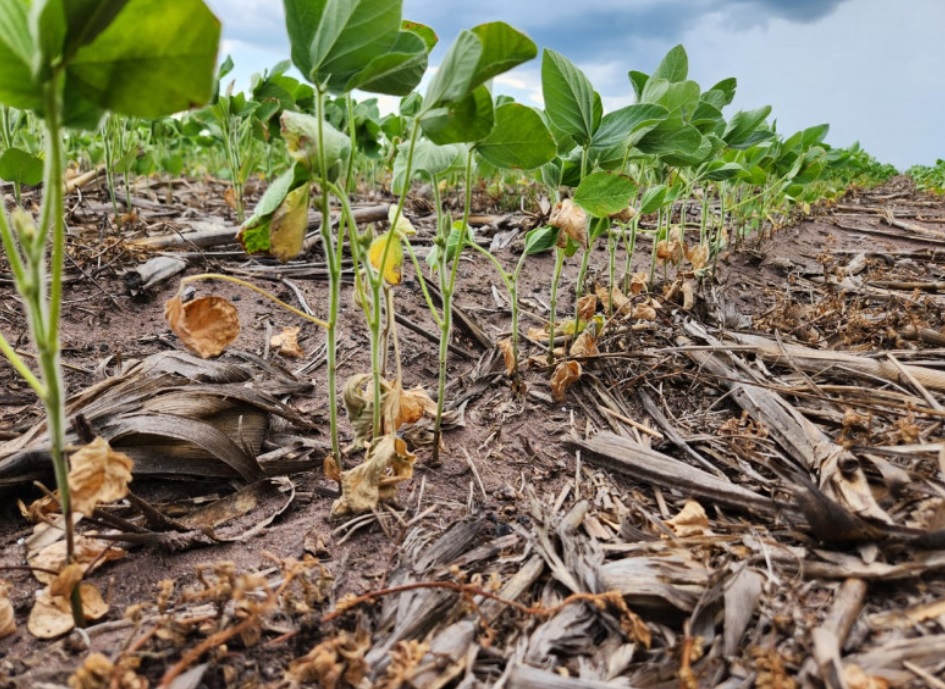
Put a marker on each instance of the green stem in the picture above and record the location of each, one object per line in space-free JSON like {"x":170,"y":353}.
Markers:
{"x":352,"y":134}
{"x":334,"y":280}
{"x":559,"y":264}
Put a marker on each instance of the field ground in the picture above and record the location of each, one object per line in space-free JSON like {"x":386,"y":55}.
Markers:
{"x":759,"y":472}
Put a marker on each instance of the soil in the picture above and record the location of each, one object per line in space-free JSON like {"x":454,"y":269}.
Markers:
{"x":750,"y":595}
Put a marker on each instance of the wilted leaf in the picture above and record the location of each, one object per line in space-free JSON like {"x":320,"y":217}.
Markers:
{"x":66,"y":580}
{"x":669,"y":251}
{"x":289,"y":224}
{"x":38,"y":510}
{"x":7,"y":621}
{"x":48,"y":558}
{"x":406,"y":406}
{"x":337,"y":661}
{"x":587,"y":307}
{"x":571,"y":220}
{"x":287,"y":342}
{"x":229,"y":198}
{"x":689,"y":295}
{"x":613,"y":299}
{"x":387,"y":463}
{"x":566,"y":374}
{"x":508,"y":355}
{"x":206,"y":325}
{"x":359,"y":406}
{"x":638,"y":283}
{"x":586,"y":343}
{"x":691,"y":521}
{"x":403,"y":225}
{"x":98,"y":474}
{"x":643,"y":312}
{"x":389,"y":250}
{"x":51,"y":615}
{"x":698,"y":256}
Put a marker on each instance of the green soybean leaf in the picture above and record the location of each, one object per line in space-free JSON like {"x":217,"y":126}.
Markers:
{"x":707,"y":118}
{"x":85,"y":20}
{"x":455,"y":74}
{"x":638,"y":81}
{"x":727,"y":88}
{"x":519,"y":140}
{"x":617,"y":127}
{"x":673,"y":137}
{"x":273,"y":196}
{"x":653,"y":199}
{"x":570,"y":100}
{"x":503,"y":48}
{"x":604,"y":193}
{"x":17,"y":87}
{"x":334,"y":39}
{"x":719,"y":171}
{"x":674,"y":67}
{"x":16,"y":165}
{"x":541,"y":239}
{"x":153,"y":60}
{"x":428,"y":159}
{"x":743,"y":128}
{"x":428,"y":35}
{"x":397,"y":72}
{"x":469,"y":119}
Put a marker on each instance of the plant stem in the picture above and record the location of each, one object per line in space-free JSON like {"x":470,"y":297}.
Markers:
{"x":334,"y":278}
{"x":559,"y":264}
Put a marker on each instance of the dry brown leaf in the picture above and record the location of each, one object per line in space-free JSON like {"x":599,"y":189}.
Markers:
{"x":50,"y":558}
{"x":405,"y":406}
{"x":7,"y":620}
{"x":387,"y":464}
{"x":613,"y":299}
{"x":40,"y":509}
{"x":638,"y":283}
{"x":537,"y":334}
{"x":566,"y":374}
{"x":691,"y":521}
{"x":98,"y":672}
{"x":669,"y":251}
{"x":98,"y":474}
{"x":286,"y":343}
{"x":229,"y":197}
{"x":340,"y":657}
{"x":587,"y":307}
{"x":359,"y":407}
{"x":505,"y":346}
{"x":625,"y":216}
{"x":643,"y":312}
{"x":66,"y":580}
{"x":571,"y":220}
{"x":51,"y":615}
{"x":698,"y":256}
{"x":688,"y":295}
{"x":406,"y":662}
{"x":206,"y":325}
{"x":855,"y":678}
{"x":586,"y":343}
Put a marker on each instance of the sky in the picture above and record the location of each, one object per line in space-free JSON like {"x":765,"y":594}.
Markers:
{"x":872,"y":69}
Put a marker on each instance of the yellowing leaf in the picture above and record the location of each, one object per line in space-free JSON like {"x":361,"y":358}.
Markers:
{"x":98,"y":474}
{"x":287,"y":342}
{"x":206,"y":325}
{"x":565,"y":375}
{"x":571,"y":220}
{"x":7,"y":621}
{"x":289,"y":224}
{"x":403,"y":225}
{"x":388,"y":243}
{"x":387,"y":463}
{"x":51,"y":615}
